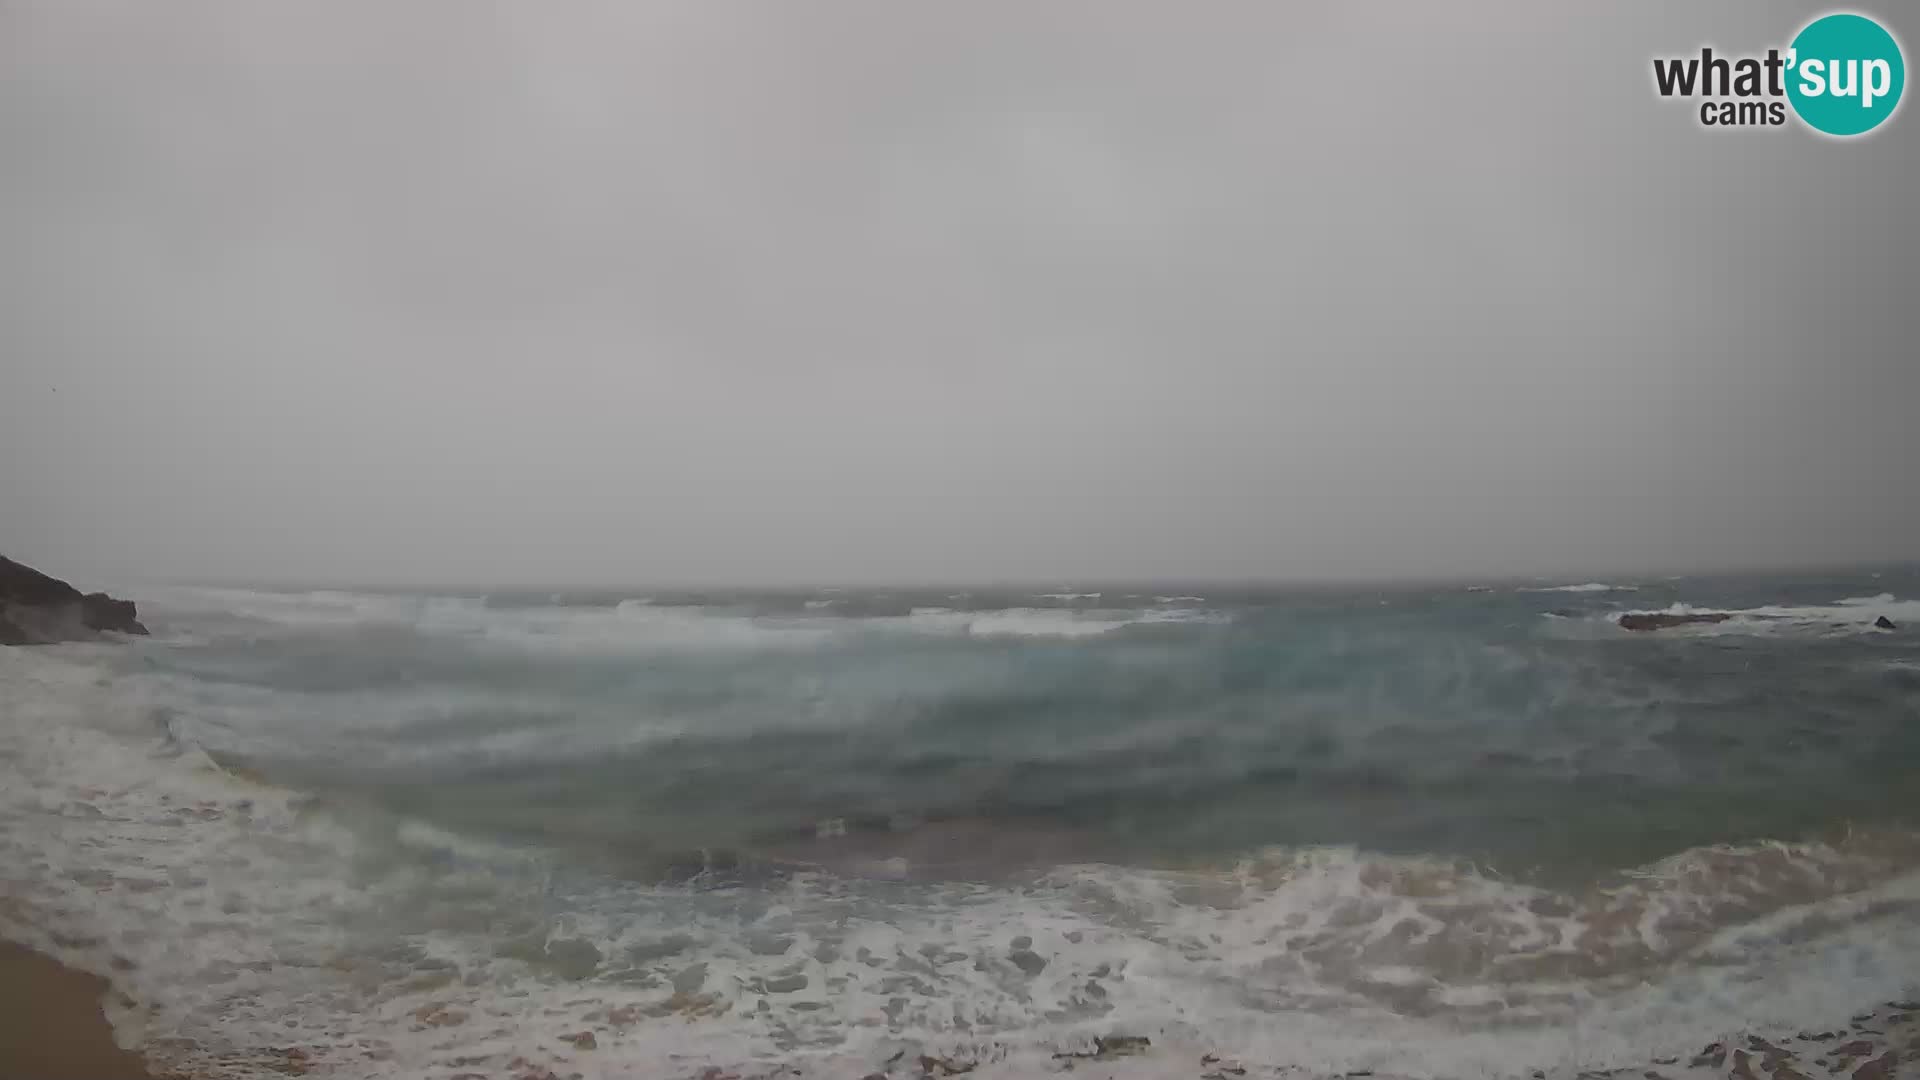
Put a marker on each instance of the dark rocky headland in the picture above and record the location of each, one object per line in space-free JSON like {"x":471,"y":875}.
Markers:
{"x":39,"y":610}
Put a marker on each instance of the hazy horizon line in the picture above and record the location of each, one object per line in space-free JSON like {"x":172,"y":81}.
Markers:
{"x":1031,"y":585}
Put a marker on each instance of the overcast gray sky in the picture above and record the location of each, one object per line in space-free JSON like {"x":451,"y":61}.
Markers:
{"x":658,"y":293}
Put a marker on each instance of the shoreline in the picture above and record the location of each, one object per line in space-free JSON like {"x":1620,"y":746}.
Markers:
{"x":52,"y":1024}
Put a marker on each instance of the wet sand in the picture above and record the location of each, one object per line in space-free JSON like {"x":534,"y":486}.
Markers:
{"x":51,"y":1025}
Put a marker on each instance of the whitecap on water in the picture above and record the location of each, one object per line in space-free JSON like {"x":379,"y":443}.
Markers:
{"x":241,"y":917}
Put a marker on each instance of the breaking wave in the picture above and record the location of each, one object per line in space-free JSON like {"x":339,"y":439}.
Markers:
{"x":419,"y":837}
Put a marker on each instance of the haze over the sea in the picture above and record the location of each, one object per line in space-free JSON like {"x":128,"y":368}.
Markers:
{"x":851,"y":292}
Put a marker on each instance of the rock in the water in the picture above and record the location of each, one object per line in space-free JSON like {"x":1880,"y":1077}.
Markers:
{"x":1122,"y":1045}
{"x":939,"y":1066}
{"x":1661,"y":620}
{"x":572,"y":958}
{"x":1106,"y":1048}
{"x":1028,"y":961}
{"x":1880,"y":1068}
{"x":1712,"y":1056}
{"x":37,"y":610}
{"x":1884,"y":623}
{"x":690,"y":979}
{"x":785,"y":984}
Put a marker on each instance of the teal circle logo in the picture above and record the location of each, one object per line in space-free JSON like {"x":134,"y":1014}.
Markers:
{"x":1845,"y":74}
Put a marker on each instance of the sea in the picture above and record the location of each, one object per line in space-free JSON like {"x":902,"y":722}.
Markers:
{"x":1464,"y":830}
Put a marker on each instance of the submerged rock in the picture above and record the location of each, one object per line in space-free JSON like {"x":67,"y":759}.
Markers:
{"x":1661,"y":620}
{"x":38,"y":610}
{"x":942,"y":1066}
{"x":1109,"y":1047}
{"x":690,"y":978}
{"x":1884,"y":623}
{"x":1028,"y":961}
{"x":1712,"y":1056}
{"x":1880,"y":1068}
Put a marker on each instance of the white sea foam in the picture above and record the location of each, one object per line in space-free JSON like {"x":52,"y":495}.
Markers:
{"x":632,"y":624}
{"x":317,"y":608}
{"x":1042,"y":622}
{"x":249,"y":917}
{"x":1045,"y":622}
{"x":629,"y":625}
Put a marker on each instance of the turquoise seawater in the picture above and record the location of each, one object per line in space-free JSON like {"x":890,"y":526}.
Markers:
{"x":812,"y":827}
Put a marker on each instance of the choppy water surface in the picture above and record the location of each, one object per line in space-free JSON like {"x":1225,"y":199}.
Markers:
{"x":1448,"y":831}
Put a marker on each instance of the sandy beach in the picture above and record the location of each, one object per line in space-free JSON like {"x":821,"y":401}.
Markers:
{"x":51,"y":1025}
